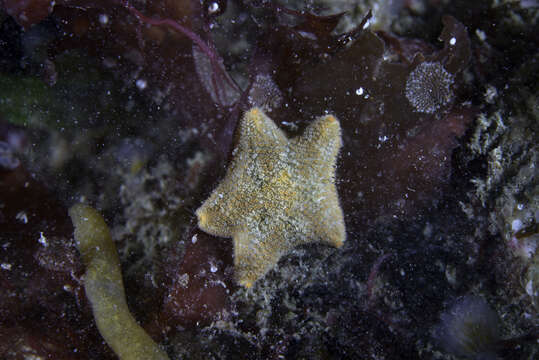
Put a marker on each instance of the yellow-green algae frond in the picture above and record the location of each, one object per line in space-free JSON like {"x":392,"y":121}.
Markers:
{"x":105,"y":290}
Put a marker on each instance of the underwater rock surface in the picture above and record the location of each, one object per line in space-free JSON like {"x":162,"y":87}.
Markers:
{"x":132,"y":108}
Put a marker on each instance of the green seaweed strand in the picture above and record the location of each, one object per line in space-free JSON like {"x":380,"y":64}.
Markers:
{"x":105,"y":290}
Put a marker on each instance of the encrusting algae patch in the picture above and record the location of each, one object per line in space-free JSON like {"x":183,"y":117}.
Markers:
{"x":278,"y":193}
{"x":105,"y":290}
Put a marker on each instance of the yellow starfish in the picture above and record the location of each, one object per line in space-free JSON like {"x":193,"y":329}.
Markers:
{"x":277,"y":193}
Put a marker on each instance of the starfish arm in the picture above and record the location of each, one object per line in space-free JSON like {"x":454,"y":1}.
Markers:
{"x":320,"y":143}
{"x":254,"y":256}
{"x":318,"y":148}
{"x":218,"y":213}
{"x":210,"y":217}
{"x":329,"y":227}
{"x":258,"y":133}
{"x":259,"y":139}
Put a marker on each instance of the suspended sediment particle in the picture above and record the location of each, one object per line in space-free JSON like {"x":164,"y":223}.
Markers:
{"x":278,"y":193}
{"x":105,"y":290}
{"x":428,"y":87}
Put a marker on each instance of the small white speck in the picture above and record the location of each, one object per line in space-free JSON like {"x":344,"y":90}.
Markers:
{"x":141,"y":84}
{"x":529,"y":288}
{"x":359,"y":91}
{"x":103,"y":19}
{"x":213,"y":7}
{"x":213,"y":268}
{"x":308,"y":35}
{"x":452,"y":41}
{"x":5,"y":266}
{"x":22,"y":217}
{"x":194,"y":239}
{"x":42,"y":239}
{"x":383,"y":138}
{"x":491,"y":93}
{"x":220,"y":196}
{"x":219,"y":282}
{"x":289,"y":124}
{"x":516,"y":225}
{"x":367,"y":24}
{"x":480,"y":34}
{"x":67,"y":288}
{"x":402,"y":272}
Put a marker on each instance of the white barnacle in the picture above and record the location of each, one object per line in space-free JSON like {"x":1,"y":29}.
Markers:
{"x":428,"y":87}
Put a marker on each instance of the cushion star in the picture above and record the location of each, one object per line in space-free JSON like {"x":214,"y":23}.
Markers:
{"x":277,"y":193}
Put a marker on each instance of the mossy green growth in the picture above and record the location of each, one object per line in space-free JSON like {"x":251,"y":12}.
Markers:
{"x":105,"y":290}
{"x":28,"y":101}
{"x":83,"y":97}
{"x":23,"y":98}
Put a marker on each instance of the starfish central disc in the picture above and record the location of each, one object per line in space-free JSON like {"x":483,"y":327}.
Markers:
{"x":278,"y":193}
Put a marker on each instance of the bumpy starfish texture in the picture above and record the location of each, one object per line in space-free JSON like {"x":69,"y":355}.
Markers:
{"x":277,"y":193}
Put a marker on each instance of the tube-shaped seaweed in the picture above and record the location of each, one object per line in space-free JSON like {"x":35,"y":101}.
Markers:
{"x":105,"y":290}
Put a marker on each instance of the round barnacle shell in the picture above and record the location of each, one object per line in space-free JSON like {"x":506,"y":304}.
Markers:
{"x":470,"y":328}
{"x":264,"y":93}
{"x":428,"y":87}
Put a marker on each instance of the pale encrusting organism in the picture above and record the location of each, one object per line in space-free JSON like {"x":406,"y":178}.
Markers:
{"x":278,"y":193}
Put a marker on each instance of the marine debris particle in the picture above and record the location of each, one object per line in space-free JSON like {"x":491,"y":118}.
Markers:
{"x":428,"y":87}
{"x":277,"y":193}
{"x":105,"y":290}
